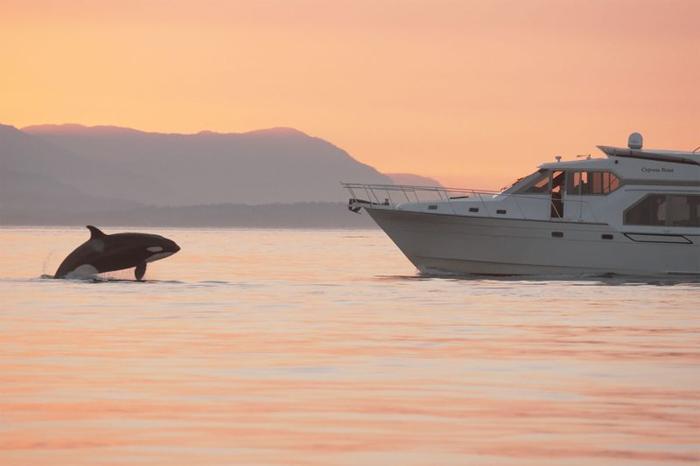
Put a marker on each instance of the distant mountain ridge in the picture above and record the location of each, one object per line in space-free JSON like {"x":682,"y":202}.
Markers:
{"x":74,"y":168}
{"x":75,"y":128}
{"x":257,"y":167}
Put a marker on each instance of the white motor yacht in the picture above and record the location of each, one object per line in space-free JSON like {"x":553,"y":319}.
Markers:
{"x":634,"y":212}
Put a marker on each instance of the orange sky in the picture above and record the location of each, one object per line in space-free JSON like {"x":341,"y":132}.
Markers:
{"x":472,"y":92}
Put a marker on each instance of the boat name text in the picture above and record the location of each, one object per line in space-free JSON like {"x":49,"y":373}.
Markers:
{"x":657,"y":170}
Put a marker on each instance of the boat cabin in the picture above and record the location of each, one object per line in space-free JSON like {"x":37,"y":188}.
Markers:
{"x":647,"y":189}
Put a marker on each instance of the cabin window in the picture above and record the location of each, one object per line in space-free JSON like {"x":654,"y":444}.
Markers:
{"x":588,"y":183}
{"x":676,"y":210}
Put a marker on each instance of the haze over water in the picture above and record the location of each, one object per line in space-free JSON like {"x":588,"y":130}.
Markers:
{"x":275,"y":347}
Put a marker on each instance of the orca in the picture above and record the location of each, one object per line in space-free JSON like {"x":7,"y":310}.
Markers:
{"x":107,"y":253}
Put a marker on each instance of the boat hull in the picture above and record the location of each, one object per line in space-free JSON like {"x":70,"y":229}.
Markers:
{"x":457,"y":244}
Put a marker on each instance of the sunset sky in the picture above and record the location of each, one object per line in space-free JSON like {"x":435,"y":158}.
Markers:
{"x":474,"y":93}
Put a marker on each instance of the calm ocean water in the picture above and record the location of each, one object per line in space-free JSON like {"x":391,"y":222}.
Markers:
{"x":274,"y":347}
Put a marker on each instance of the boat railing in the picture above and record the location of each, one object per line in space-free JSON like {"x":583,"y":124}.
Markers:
{"x":391,"y":195}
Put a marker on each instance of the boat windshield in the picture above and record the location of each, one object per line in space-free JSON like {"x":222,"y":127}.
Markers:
{"x":523,"y":181}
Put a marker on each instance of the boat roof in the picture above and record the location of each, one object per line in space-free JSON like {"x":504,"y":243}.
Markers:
{"x":653,"y":154}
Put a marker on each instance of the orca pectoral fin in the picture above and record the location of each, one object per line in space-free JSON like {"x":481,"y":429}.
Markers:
{"x":140,"y":271}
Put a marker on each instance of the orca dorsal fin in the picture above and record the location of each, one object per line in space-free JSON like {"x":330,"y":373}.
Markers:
{"x":95,"y":232}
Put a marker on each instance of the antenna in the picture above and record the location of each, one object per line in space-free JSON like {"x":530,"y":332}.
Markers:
{"x":558,"y":158}
{"x":696,"y":149}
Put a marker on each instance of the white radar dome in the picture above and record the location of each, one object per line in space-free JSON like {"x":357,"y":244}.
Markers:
{"x":635,"y":141}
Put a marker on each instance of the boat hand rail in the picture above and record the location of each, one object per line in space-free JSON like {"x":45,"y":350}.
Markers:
{"x":409,"y":187}
{"x":411,"y":192}
{"x":381,"y":194}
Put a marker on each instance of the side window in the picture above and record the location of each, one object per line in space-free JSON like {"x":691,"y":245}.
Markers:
{"x":651,"y":210}
{"x":610,"y":182}
{"x":586,"y":183}
{"x":683,"y":211}
{"x":576,"y":182}
{"x":665,"y":210}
